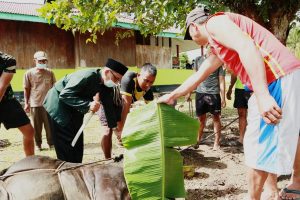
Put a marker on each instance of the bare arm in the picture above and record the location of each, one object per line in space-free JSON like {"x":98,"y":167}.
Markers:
{"x":5,"y":79}
{"x":27,"y":91}
{"x":207,"y":67}
{"x":222,"y":90}
{"x":252,"y":61}
{"x":237,"y":40}
{"x":26,"y":98}
{"x":127,"y":100}
{"x":233,"y":79}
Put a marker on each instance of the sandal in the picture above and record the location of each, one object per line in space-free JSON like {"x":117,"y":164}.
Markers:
{"x":285,"y":191}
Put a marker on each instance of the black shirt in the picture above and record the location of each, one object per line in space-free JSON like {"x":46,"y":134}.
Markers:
{"x":130,"y":87}
{"x":7,"y":65}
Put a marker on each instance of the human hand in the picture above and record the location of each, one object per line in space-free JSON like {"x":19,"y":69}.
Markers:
{"x":27,"y":107}
{"x":167,"y":98}
{"x":223,"y":103}
{"x":118,"y":133}
{"x":228,"y":94}
{"x":187,"y":97}
{"x":269,"y":109}
{"x":95,"y":105}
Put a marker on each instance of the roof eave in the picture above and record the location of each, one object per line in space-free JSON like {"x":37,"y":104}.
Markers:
{"x":20,"y":17}
{"x":31,"y":18}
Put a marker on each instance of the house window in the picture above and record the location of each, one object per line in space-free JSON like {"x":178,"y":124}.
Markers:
{"x":141,"y":40}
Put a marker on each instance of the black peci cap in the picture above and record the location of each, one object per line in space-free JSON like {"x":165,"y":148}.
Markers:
{"x":116,"y":66}
{"x":198,"y":15}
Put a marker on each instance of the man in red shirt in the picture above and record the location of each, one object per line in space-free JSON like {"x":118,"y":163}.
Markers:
{"x":267,"y":68}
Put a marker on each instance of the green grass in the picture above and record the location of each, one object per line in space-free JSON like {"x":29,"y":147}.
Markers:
{"x":17,"y":81}
{"x":164,"y":76}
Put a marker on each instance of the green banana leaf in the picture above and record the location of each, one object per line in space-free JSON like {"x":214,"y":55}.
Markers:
{"x":152,"y":168}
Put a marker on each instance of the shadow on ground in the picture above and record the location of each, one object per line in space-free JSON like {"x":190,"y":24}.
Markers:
{"x":197,"y":194}
{"x":4,"y":143}
{"x":193,"y":157}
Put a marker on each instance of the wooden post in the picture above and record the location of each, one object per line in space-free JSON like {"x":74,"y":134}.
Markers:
{"x":76,"y":48}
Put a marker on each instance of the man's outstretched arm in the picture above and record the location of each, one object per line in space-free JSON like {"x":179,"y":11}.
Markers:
{"x":207,"y":67}
{"x":127,"y":100}
{"x":230,"y":35}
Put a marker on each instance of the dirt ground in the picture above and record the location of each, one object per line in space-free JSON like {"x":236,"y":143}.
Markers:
{"x":218,"y":174}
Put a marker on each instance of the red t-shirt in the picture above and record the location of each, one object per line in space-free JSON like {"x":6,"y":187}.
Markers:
{"x":278,"y":60}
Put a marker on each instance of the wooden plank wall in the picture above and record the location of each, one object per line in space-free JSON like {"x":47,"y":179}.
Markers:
{"x":90,"y":54}
{"x":23,"y":39}
{"x":156,"y":55}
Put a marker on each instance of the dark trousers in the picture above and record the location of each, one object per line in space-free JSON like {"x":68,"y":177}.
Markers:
{"x":40,"y":118}
{"x":62,"y":137}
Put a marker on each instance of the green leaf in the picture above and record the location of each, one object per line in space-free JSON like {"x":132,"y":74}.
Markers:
{"x":153,"y":169}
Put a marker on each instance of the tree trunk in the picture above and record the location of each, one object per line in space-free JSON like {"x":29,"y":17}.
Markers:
{"x":280,"y":14}
{"x":278,"y":23}
{"x":279,"y":26}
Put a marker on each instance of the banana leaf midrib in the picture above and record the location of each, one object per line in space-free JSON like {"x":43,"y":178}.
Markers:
{"x":152,"y":167}
{"x":162,"y":148}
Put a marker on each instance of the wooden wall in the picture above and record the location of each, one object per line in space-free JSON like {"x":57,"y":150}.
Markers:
{"x":23,"y":39}
{"x":156,"y":55}
{"x":90,"y":54}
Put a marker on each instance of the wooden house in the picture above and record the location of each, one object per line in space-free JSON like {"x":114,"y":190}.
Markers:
{"x":23,"y":32}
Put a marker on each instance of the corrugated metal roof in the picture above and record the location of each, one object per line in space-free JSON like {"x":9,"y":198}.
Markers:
{"x":19,"y":8}
{"x":15,"y":10}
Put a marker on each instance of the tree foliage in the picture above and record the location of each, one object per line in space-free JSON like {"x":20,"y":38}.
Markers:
{"x":275,"y":15}
{"x":154,"y":16}
{"x":183,"y":59}
{"x":293,"y":41}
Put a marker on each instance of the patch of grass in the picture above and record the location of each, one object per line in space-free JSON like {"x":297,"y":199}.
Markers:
{"x":164,"y":76}
{"x":17,"y":81}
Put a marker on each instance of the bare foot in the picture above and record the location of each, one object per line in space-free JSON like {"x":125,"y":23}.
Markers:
{"x":216,"y":147}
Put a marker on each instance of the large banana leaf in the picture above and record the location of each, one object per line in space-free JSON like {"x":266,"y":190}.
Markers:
{"x":153,"y":169}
